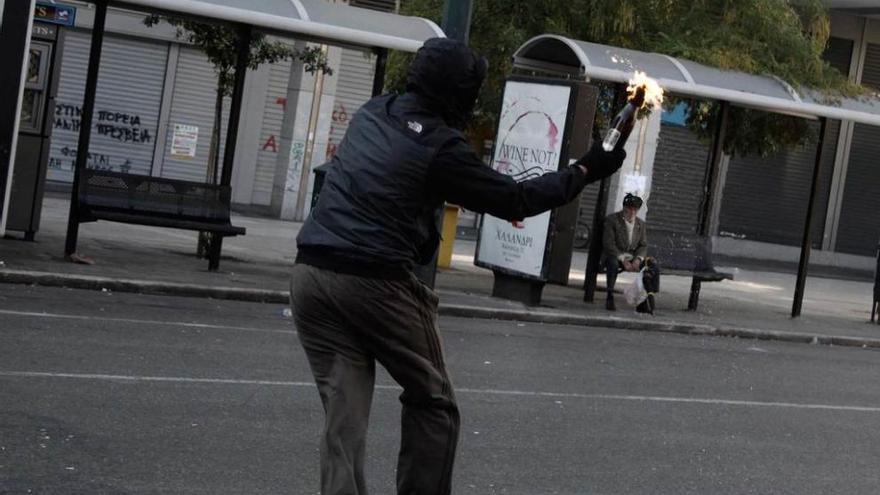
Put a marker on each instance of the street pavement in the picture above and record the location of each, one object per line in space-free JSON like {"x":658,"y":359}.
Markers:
{"x":112,"y":393}
{"x":257,"y":266}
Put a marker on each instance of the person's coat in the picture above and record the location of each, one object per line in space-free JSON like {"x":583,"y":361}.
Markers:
{"x":615,"y":238}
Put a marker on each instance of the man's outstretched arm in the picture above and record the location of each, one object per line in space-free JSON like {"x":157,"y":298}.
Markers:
{"x":458,"y":176}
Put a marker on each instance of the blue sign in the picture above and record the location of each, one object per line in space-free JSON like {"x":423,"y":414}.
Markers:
{"x":677,"y":116}
{"x":64,"y":15}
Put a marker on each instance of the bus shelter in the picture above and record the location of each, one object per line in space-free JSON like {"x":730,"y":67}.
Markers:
{"x":116,"y":196}
{"x":562,"y":57}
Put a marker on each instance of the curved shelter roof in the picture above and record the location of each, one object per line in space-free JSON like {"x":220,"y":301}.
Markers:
{"x":313,"y":19}
{"x":558,"y":54}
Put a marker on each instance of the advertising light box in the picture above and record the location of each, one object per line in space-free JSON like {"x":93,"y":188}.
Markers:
{"x":531,"y":141}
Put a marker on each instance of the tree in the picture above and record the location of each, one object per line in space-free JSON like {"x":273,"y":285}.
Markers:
{"x":219,"y":43}
{"x":778,"y":37}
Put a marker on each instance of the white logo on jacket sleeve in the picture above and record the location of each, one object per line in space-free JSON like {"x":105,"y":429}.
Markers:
{"x":415,"y":126}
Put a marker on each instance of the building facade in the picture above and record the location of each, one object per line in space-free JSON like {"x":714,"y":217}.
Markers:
{"x":154,"y":87}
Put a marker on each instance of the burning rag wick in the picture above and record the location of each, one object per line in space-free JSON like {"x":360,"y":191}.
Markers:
{"x":642,"y":87}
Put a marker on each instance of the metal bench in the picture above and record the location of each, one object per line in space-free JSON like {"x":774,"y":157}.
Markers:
{"x":160,"y":202}
{"x":688,"y":255}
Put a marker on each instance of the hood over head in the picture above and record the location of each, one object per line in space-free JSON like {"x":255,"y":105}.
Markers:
{"x":448,"y":76}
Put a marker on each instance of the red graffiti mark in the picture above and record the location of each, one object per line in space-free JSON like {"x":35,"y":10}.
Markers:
{"x":282,"y":101}
{"x":270,"y":143}
{"x":331,"y":150}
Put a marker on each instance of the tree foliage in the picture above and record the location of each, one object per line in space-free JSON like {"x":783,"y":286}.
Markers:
{"x":219,"y":43}
{"x":771,"y":37}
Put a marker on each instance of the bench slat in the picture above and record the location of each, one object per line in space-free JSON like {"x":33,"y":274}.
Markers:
{"x":156,"y":201}
{"x":704,"y":276}
{"x":156,"y":221}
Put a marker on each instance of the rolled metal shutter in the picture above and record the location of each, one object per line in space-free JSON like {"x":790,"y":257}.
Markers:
{"x":678,"y":180}
{"x":355,"y":84}
{"x":127,"y":104}
{"x":587,"y":206}
{"x":270,"y":134}
{"x":765,"y":199}
{"x":192,"y":103}
{"x":859,"y":228}
{"x":353,"y":88}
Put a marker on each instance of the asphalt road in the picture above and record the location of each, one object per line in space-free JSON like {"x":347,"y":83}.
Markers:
{"x":104,"y":393}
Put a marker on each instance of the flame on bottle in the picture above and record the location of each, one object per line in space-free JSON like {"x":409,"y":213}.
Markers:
{"x":642,"y":87}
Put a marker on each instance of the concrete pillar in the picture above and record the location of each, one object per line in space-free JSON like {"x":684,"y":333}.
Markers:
{"x":248,"y":147}
{"x":305,"y":130}
{"x":844,"y":140}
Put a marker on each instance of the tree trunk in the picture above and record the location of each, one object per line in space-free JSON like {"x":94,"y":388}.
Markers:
{"x":214,"y":152}
{"x":205,"y":238}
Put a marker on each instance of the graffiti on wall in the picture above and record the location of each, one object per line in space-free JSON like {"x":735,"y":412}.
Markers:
{"x":339,"y":118}
{"x":297,"y":153}
{"x":98,"y":161}
{"x":119,"y":126}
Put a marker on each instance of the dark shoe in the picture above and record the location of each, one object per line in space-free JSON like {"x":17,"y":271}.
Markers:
{"x":609,"y":304}
{"x":647,"y":306}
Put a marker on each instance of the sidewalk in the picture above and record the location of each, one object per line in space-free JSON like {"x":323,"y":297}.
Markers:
{"x":255,"y":267}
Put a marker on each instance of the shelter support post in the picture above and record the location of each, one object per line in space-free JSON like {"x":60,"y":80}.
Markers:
{"x":875,"y":301}
{"x":241,"y":68}
{"x":694,"y":299}
{"x":457,"y":19}
{"x":379,"y":73}
{"x":806,"y":244}
{"x":594,"y":254}
{"x":710,"y":187}
{"x":85,"y":130}
{"x":704,"y":227}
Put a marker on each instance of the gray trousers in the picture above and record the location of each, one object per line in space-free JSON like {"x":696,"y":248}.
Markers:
{"x":346,"y":323}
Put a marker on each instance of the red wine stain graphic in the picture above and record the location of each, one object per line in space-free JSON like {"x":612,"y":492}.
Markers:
{"x":518,"y":170}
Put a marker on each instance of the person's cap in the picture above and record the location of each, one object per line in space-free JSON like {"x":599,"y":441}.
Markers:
{"x":632,"y":200}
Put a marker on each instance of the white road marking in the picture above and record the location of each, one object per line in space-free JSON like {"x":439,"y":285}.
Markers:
{"x":166,"y":379}
{"x":143,"y":322}
{"x":476,"y":391}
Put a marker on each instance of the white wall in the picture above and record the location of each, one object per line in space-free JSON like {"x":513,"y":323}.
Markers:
{"x":638,"y":168}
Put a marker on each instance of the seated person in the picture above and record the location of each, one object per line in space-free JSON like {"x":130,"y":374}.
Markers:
{"x":625,"y":243}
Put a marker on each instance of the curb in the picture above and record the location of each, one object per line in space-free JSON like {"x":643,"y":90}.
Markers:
{"x":88,"y":282}
{"x":655,"y":326}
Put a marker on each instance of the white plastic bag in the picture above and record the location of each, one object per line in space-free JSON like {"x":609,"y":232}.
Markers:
{"x":635,"y":293}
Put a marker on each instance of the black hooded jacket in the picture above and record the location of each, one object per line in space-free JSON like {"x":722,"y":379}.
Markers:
{"x":401,"y":158}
